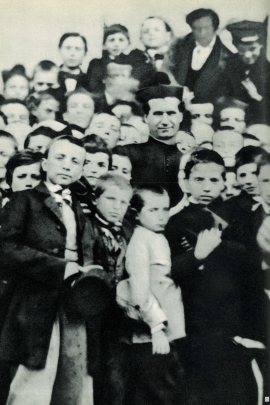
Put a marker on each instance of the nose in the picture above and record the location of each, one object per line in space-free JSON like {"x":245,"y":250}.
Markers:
{"x":66,"y":164}
{"x":165,"y":119}
{"x":207,"y":186}
{"x":93,"y":168}
{"x":116,"y":204}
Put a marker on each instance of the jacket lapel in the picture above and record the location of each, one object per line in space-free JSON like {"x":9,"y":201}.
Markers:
{"x":184,"y":58}
{"x":50,"y":201}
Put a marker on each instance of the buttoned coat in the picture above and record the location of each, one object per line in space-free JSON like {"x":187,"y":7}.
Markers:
{"x":209,"y":79}
{"x":33,"y":238}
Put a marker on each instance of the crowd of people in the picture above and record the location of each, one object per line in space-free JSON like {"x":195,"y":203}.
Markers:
{"x":134,"y":213}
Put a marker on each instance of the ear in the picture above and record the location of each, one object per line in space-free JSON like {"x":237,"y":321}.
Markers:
{"x":44,"y":164}
{"x":145,"y":118}
{"x":187,"y":184}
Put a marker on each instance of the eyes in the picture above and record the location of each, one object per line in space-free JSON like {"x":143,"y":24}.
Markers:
{"x":69,"y":48}
{"x":62,"y":157}
{"x":234,"y":119}
{"x":201,"y":179}
{"x":160,"y":113}
{"x":33,"y":176}
{"x":124,"y":171}
{"x":155,"y":209}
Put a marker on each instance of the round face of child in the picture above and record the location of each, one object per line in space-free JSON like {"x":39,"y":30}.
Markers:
{"x":201,"y":113}
{"x":80,"y":110}
{"x":113,"y":203}
{"x":123,"y":112}
{"x":154,"y":215}
{"x":164,"y":118}
{"x":249,"y":53}
{"x":7,"y":149}
{"x":72,"y":52}
{"x":16,"y":87}
{"x":129,"y":135}
{"x":16,"y":113}
{"x":46,"y":110}
{"x":154,"y":34}
{"x":203,"y":30}
{"x":227,"y":144}
{"x":64,"y":164}
{"x":184,"y":141}
{"x":264,"y":183}
{"x":247,"y":178}
{"x":233,"y":117}
{"x":205,"y":182}
{"x":107,"y":127}
{"x":39,"y":143}
{"x":25,"y":177}
{"x":202,"y":132}
{"x":44,"y":80}
{"x":232,"y":188}
{"x":96,"y":164}
{"x":121,"y":165}
{"x":116,"y":43}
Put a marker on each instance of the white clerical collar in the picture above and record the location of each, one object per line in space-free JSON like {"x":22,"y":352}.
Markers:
{"x":210,"y":45}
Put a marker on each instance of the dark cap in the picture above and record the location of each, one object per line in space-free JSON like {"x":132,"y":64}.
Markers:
{"x":160,"y":88}
{"x":245,"y":31}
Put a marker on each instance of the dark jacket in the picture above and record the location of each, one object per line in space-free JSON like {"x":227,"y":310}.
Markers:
{"x":158,"y":163}
{"x":33,"y":238}
{"x":209,"y":77}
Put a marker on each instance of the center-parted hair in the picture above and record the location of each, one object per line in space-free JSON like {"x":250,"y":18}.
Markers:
{"x":25,"y":157}
{"x":108,"y":180}
{"x":137,"y":201}
{"x":204,"y":156}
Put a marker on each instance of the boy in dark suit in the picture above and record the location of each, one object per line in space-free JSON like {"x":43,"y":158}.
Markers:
{"x":214,"y":277}
{"x":44,"y":244}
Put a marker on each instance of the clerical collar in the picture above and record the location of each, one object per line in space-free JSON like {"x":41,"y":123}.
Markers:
{"x":210,"y":45}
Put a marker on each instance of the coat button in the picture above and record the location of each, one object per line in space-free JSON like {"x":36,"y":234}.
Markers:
{"x":58,"y":227}
{"x":55,"y":250}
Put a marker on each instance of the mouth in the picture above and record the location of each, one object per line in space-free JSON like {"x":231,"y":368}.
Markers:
{"x":64,"y":176}
{"x":206,"y":198}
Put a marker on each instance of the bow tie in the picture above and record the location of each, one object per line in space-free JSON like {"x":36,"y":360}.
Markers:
{"x":158,"y":56}
{"x":115,"y":229}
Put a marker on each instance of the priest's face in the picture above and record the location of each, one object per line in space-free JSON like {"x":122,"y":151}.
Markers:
{"x":164,"y":118}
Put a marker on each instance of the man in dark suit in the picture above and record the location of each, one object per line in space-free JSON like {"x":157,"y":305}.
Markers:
{"x":44,"y":242}
{"x":157,"y":160}
{"x":200,"y":57}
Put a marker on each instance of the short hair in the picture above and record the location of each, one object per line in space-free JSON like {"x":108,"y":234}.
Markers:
{"x":79,"y":90}
{"x":137,"y":201}
{"x":204,"y":156}
{"x":72,"y":34}
{"x":24,"y":157}
{"x":95,"y":144}
{"x":14,"y":101}
{"x":120,"y":151}
{"x":225,"y":128}
{"x":246,"y":135}
{"x":34,"y":100}
{"x":167,"y":26}
{"x":248,"y":154}
{"x":69,"y":138}
{"x":45,"y":131}
{"x":200,"y":13}
{"x":108,"y":180}
{"x":146,"y":107}
{"x":17,"y":70}
{"x":115,"y":29}
{"x":136,"y":109}
{"x":264,"y":160}
{"x":7,"y":135}
{"x":46,"y":65}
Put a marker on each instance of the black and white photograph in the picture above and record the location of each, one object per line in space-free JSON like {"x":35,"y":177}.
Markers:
{"x":134,"y":202}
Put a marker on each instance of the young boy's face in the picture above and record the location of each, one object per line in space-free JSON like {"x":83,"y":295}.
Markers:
{"x":202,"y":132}
{"x":72,"y":52}
{"x":202,"y":113}
{"x":233,"y":117}
{"x":154,"y":34}
{"x":264,"y":183}
{"x":113,"y":203}
{"x":16,"y":87}
{"x":116,"y":44}
{"x":247,"y":178}
{"x":227,"y":144}
{"x":46,"y":110}
{"x":129,"y":135}
{"x":121,"y":165}
{"x":96,"y":164}
{"x":184,"y":141}
{"x":44,"y":80}
{"x":39,"y":143}
{"x":7,"y":149}
{"x":80,"y":110}
{"x":16,"y":113}
{"x":232,"y":188}
{"x":154,"y":215}
{"x":64,"y":164}
{"x":107,"y":127}
{"x":205,"y":182}
{"x":249,"y":53}
{"x":25,"y":177}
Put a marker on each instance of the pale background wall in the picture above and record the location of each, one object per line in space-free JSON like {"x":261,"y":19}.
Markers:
{"x":30,"y":29}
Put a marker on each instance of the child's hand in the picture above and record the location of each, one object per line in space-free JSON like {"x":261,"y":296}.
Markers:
{"x":185,"y":244}
{"x":251,"y":89}
{"x":71,"y":268}
{"x":85,"y":208}
{"x":207,"y":241}
{"x":249,"y":343}
{"x":160,"y":343}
